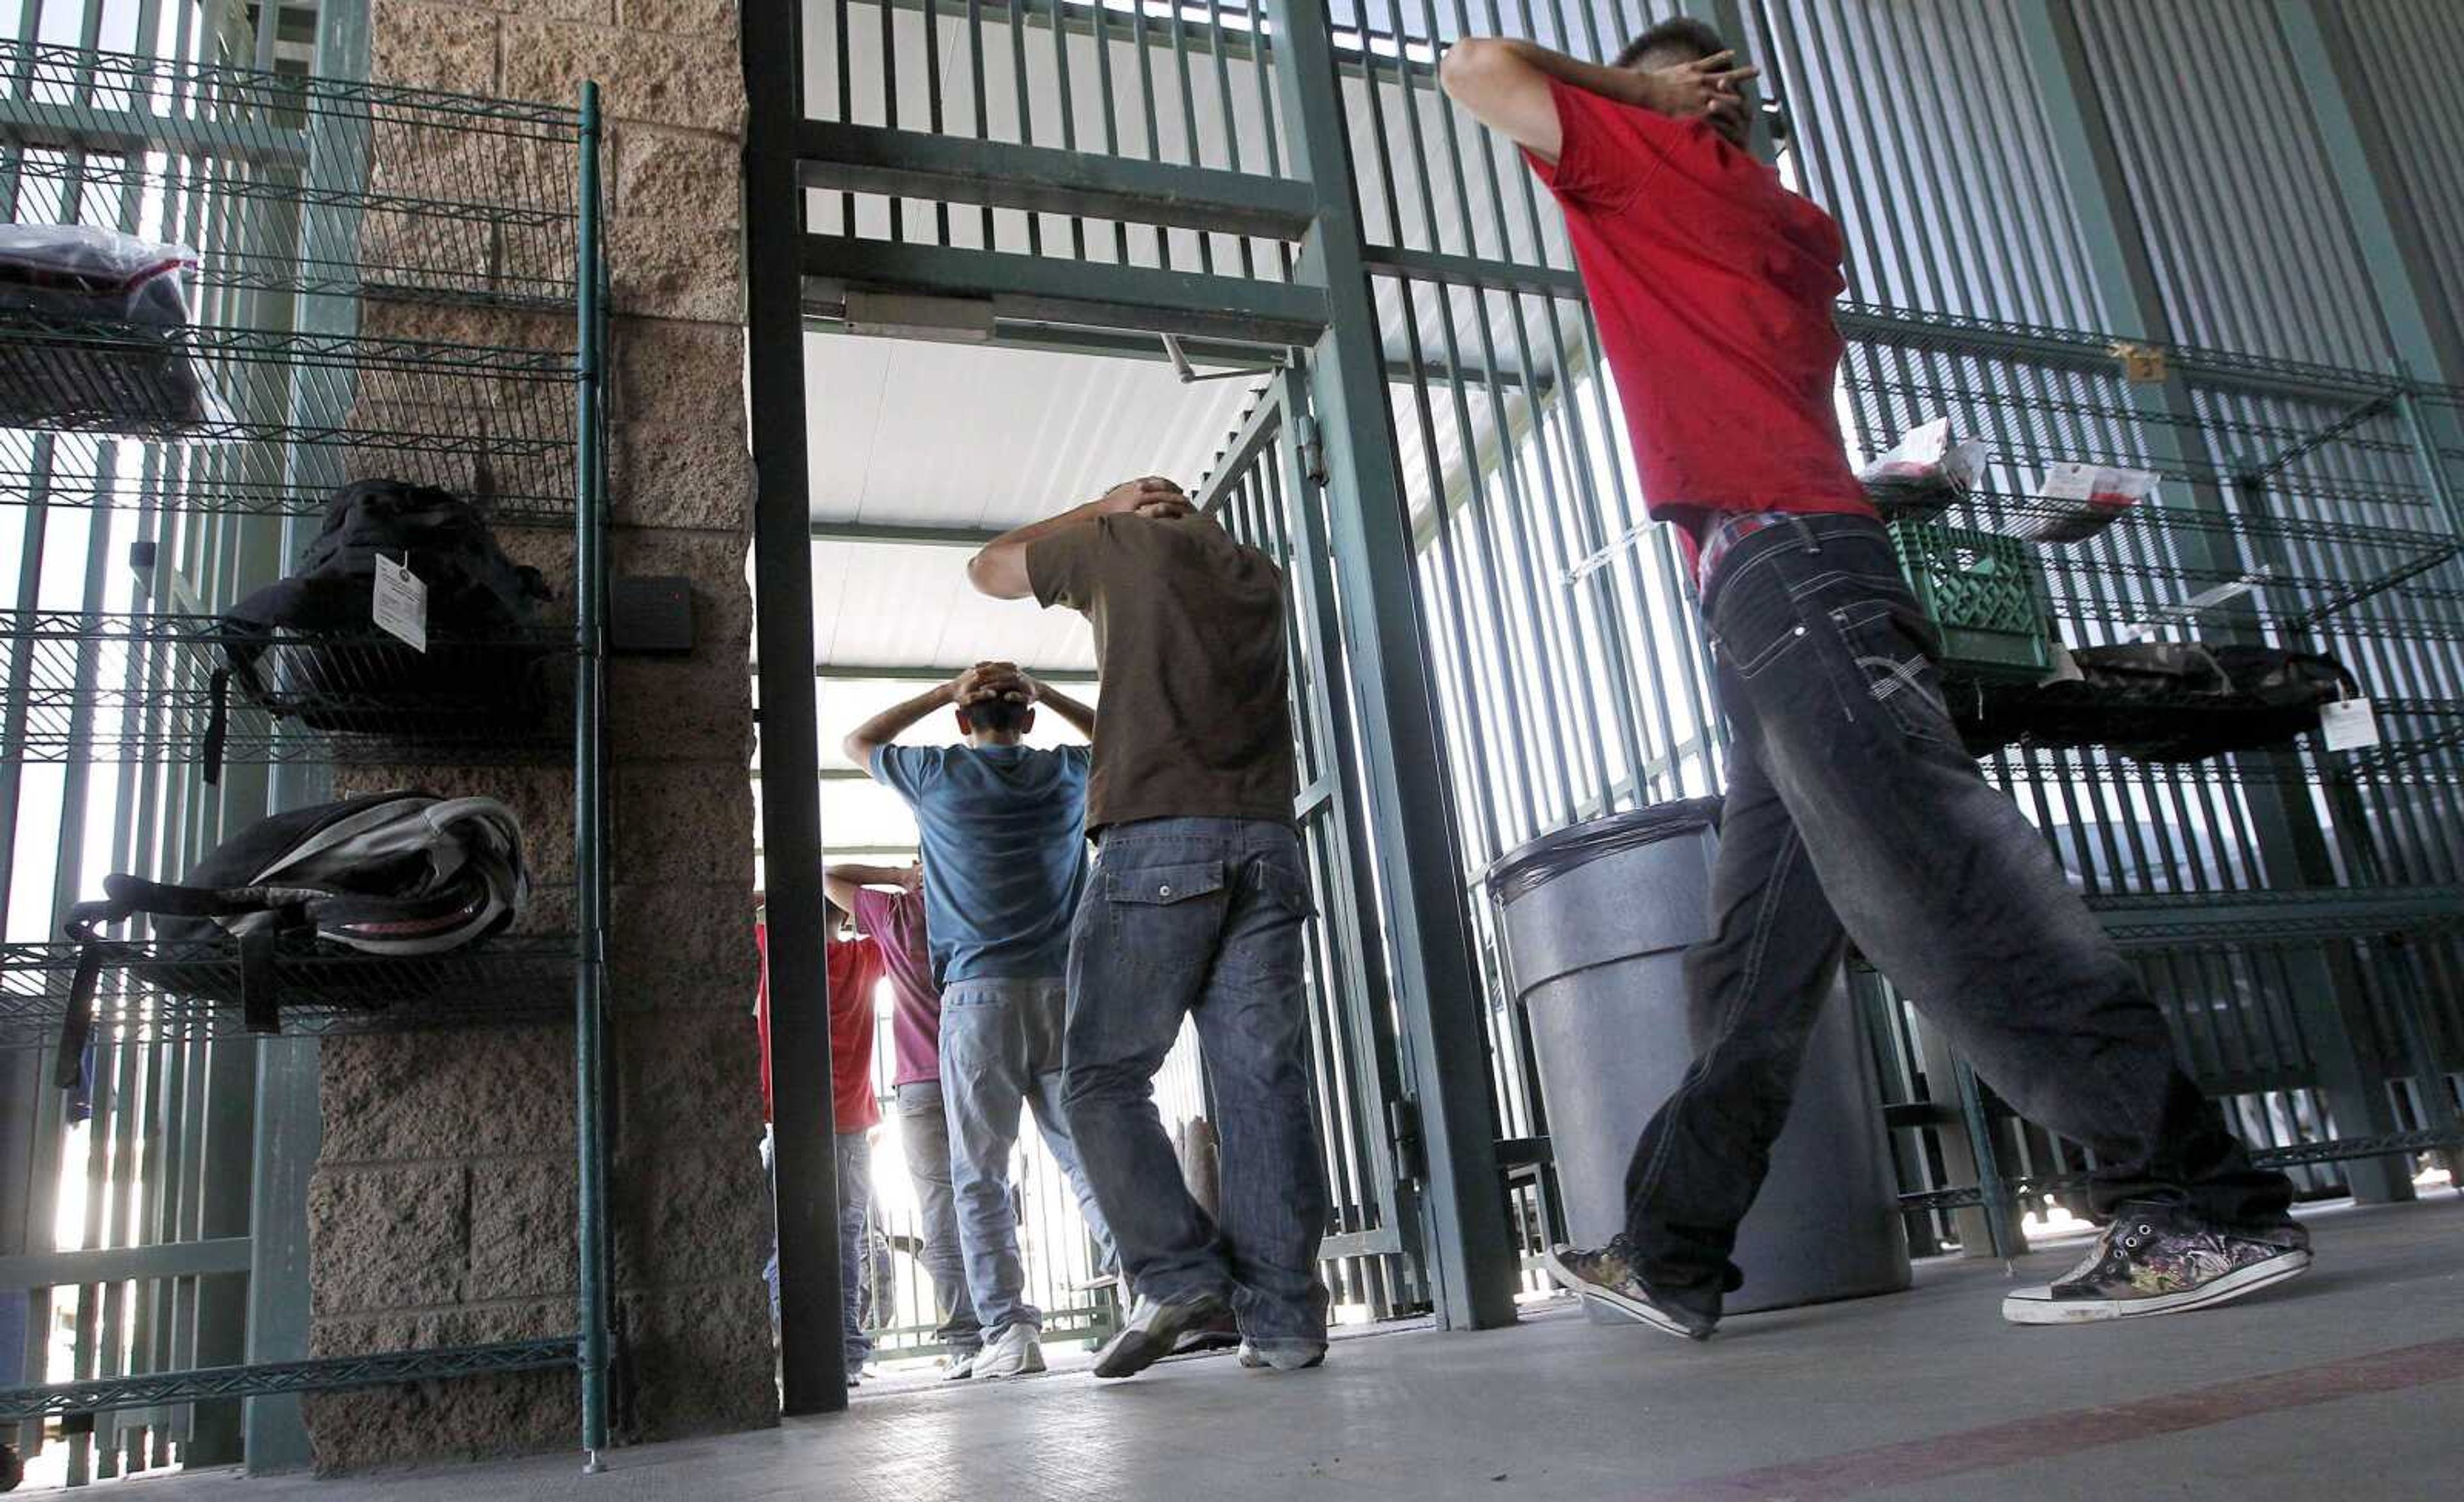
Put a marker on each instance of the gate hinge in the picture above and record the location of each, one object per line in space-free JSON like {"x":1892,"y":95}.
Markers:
{"x":1311,"y":451}
{"x":1403,"y":1124}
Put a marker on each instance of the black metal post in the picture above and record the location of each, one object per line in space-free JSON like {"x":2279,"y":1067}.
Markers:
{"x":813,"y":1359}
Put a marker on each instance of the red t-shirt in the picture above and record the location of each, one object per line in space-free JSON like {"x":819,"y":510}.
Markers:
{"x":1712,"y":285}
{"x":854,"y":969}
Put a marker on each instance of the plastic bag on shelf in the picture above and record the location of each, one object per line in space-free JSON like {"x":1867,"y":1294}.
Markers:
{"x":2079,"y":500}
{"x":96,"y":322}
{"x":1923,"y":473}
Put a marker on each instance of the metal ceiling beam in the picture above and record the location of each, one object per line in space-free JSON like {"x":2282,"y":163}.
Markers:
{"x":999,"y":174}
{"x":914,"y":673}
{"x":968,"y":539}
{"x":1042,"y":289}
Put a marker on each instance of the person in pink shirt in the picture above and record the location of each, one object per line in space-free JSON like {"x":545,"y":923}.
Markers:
{"x":887,"y":902}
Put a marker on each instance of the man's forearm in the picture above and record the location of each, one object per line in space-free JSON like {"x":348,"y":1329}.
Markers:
{"x":1081,"y":717}
{"x":861,"y":875}
{"x":1621,"y":85}
{"x":1000,"y":570}
{"x":888,"y":725}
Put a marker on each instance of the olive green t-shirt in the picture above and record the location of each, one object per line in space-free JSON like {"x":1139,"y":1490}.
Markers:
{"x":1189,"y":646}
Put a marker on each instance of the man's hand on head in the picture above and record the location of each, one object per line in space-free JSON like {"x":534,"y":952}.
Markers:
{"x":1167,"y":508}
{"x":1139,"y":494}
{"x":1707,"y":88}
{"x":911,"y":881}
{"x":991,"y":680}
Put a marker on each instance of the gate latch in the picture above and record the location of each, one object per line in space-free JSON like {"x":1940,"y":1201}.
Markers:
{"x":1311,"y":451}
{"x":1403,"y":1124}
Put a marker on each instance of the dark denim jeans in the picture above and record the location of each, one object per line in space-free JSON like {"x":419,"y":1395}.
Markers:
{"x":1852,"y":814}
{"x":1201,"y":916}
{"x":924,"y":1130}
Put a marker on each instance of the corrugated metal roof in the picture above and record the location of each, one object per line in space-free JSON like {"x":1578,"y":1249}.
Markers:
{"x":978,"y":436}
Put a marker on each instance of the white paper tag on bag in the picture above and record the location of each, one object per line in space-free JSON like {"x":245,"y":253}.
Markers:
{"x":402,"y":602}
{"x":2350,"y":724}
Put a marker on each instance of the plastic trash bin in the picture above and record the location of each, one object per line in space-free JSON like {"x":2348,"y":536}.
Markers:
{"x":1596,"y":921}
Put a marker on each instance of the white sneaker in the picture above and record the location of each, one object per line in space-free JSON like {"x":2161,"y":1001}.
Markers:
{"x":961,"y":1367}
{"x":1013,"y":1353}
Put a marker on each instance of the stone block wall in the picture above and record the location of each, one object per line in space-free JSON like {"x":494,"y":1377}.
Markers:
{"x":441,"y":1207}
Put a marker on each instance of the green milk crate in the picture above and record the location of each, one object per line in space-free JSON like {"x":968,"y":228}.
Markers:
{"x":1986,"y":594}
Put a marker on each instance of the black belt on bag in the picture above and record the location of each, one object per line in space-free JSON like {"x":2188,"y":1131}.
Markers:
{"x":126,"y":897}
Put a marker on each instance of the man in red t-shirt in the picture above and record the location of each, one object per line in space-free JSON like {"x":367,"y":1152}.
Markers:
{"x":853,"y":965}
{"x":1852,"y":812}
{"x":894,"y":919}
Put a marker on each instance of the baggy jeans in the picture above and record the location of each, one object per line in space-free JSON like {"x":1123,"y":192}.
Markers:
{"x":1000,"y":1049}
{"x":1203,"y":917}
{"x":1852,"y":814}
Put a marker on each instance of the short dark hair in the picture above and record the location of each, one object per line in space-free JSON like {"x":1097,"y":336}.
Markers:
{"x":998,"y":716}
{"x":1682,"y":34}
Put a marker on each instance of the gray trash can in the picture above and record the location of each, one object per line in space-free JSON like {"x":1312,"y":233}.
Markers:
{"x":1597,"y":920}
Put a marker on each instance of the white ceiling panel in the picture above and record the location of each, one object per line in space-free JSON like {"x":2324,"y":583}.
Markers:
{"x":909,"y":433}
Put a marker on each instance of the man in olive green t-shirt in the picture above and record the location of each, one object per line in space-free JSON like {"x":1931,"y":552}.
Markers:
{"x":1196,"y":907}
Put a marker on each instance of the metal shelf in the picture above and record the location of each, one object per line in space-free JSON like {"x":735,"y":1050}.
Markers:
{"x":319,"y":187}
{"x":157,"y":687}
{"x":325,"y":1374}
{"x":165,"y":991}
{"x":2291,"y":917}
{"x":241,"y":421}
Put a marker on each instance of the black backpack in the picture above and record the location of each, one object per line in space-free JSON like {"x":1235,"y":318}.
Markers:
{"x":308,"y":647}
{"x":399,"y":874}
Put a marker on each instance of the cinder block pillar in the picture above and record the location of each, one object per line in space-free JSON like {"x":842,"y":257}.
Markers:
{"x":441,"y":1207}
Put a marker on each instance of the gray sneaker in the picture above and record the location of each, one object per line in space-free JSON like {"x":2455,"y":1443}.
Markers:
{"x":1153,"y":1330}
{"x":1284,"y":1356}
{"x":2156,"y":1260}
{"x":1607,"y":1278}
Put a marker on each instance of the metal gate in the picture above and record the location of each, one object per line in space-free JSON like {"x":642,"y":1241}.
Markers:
{"x":1266,"y":492}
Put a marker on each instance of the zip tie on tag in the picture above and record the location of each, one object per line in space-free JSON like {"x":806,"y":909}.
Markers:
{"x":1592,"y":564}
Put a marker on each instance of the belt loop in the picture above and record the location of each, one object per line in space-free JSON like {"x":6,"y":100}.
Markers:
{"x":1805,"y":534}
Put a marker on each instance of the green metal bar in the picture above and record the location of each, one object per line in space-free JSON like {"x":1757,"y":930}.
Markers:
{"x":177,"y":1259}
{"x":588,"y":804}
{"x":969,"y":539}
{"x":812,"y":1357}
{"x":1049,"y":289}
{"x":1472,"y":1259}
{"x":327,"y":1374}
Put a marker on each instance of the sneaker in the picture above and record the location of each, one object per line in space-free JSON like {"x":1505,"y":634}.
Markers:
{"x":2155,"y":1260}
{"x":1153,"y":1331}
{"x":1607,"y":1278}
{"x":1284,"y":1356}
{"x":1015,"y":1352}
{"x":1220,"y":1333}
{"x":962,"y":1367}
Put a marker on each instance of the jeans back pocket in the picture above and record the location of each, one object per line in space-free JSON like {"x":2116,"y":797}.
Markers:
{"x":1166,"y":917}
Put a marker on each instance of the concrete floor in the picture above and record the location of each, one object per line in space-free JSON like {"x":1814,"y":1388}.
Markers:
{"x":2346,"y":1386}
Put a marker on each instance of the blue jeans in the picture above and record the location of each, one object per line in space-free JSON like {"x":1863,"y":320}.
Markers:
{"x":924,"y":1130}
{"x":854,"y":1156}
{"x":1000,"y":1048}
{"x":855,"y":1241}
{"x":1204,"y":917}
{"x":1852,"y":812}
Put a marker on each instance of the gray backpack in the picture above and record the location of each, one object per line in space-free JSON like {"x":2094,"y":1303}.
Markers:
{"x":388,"y":873}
